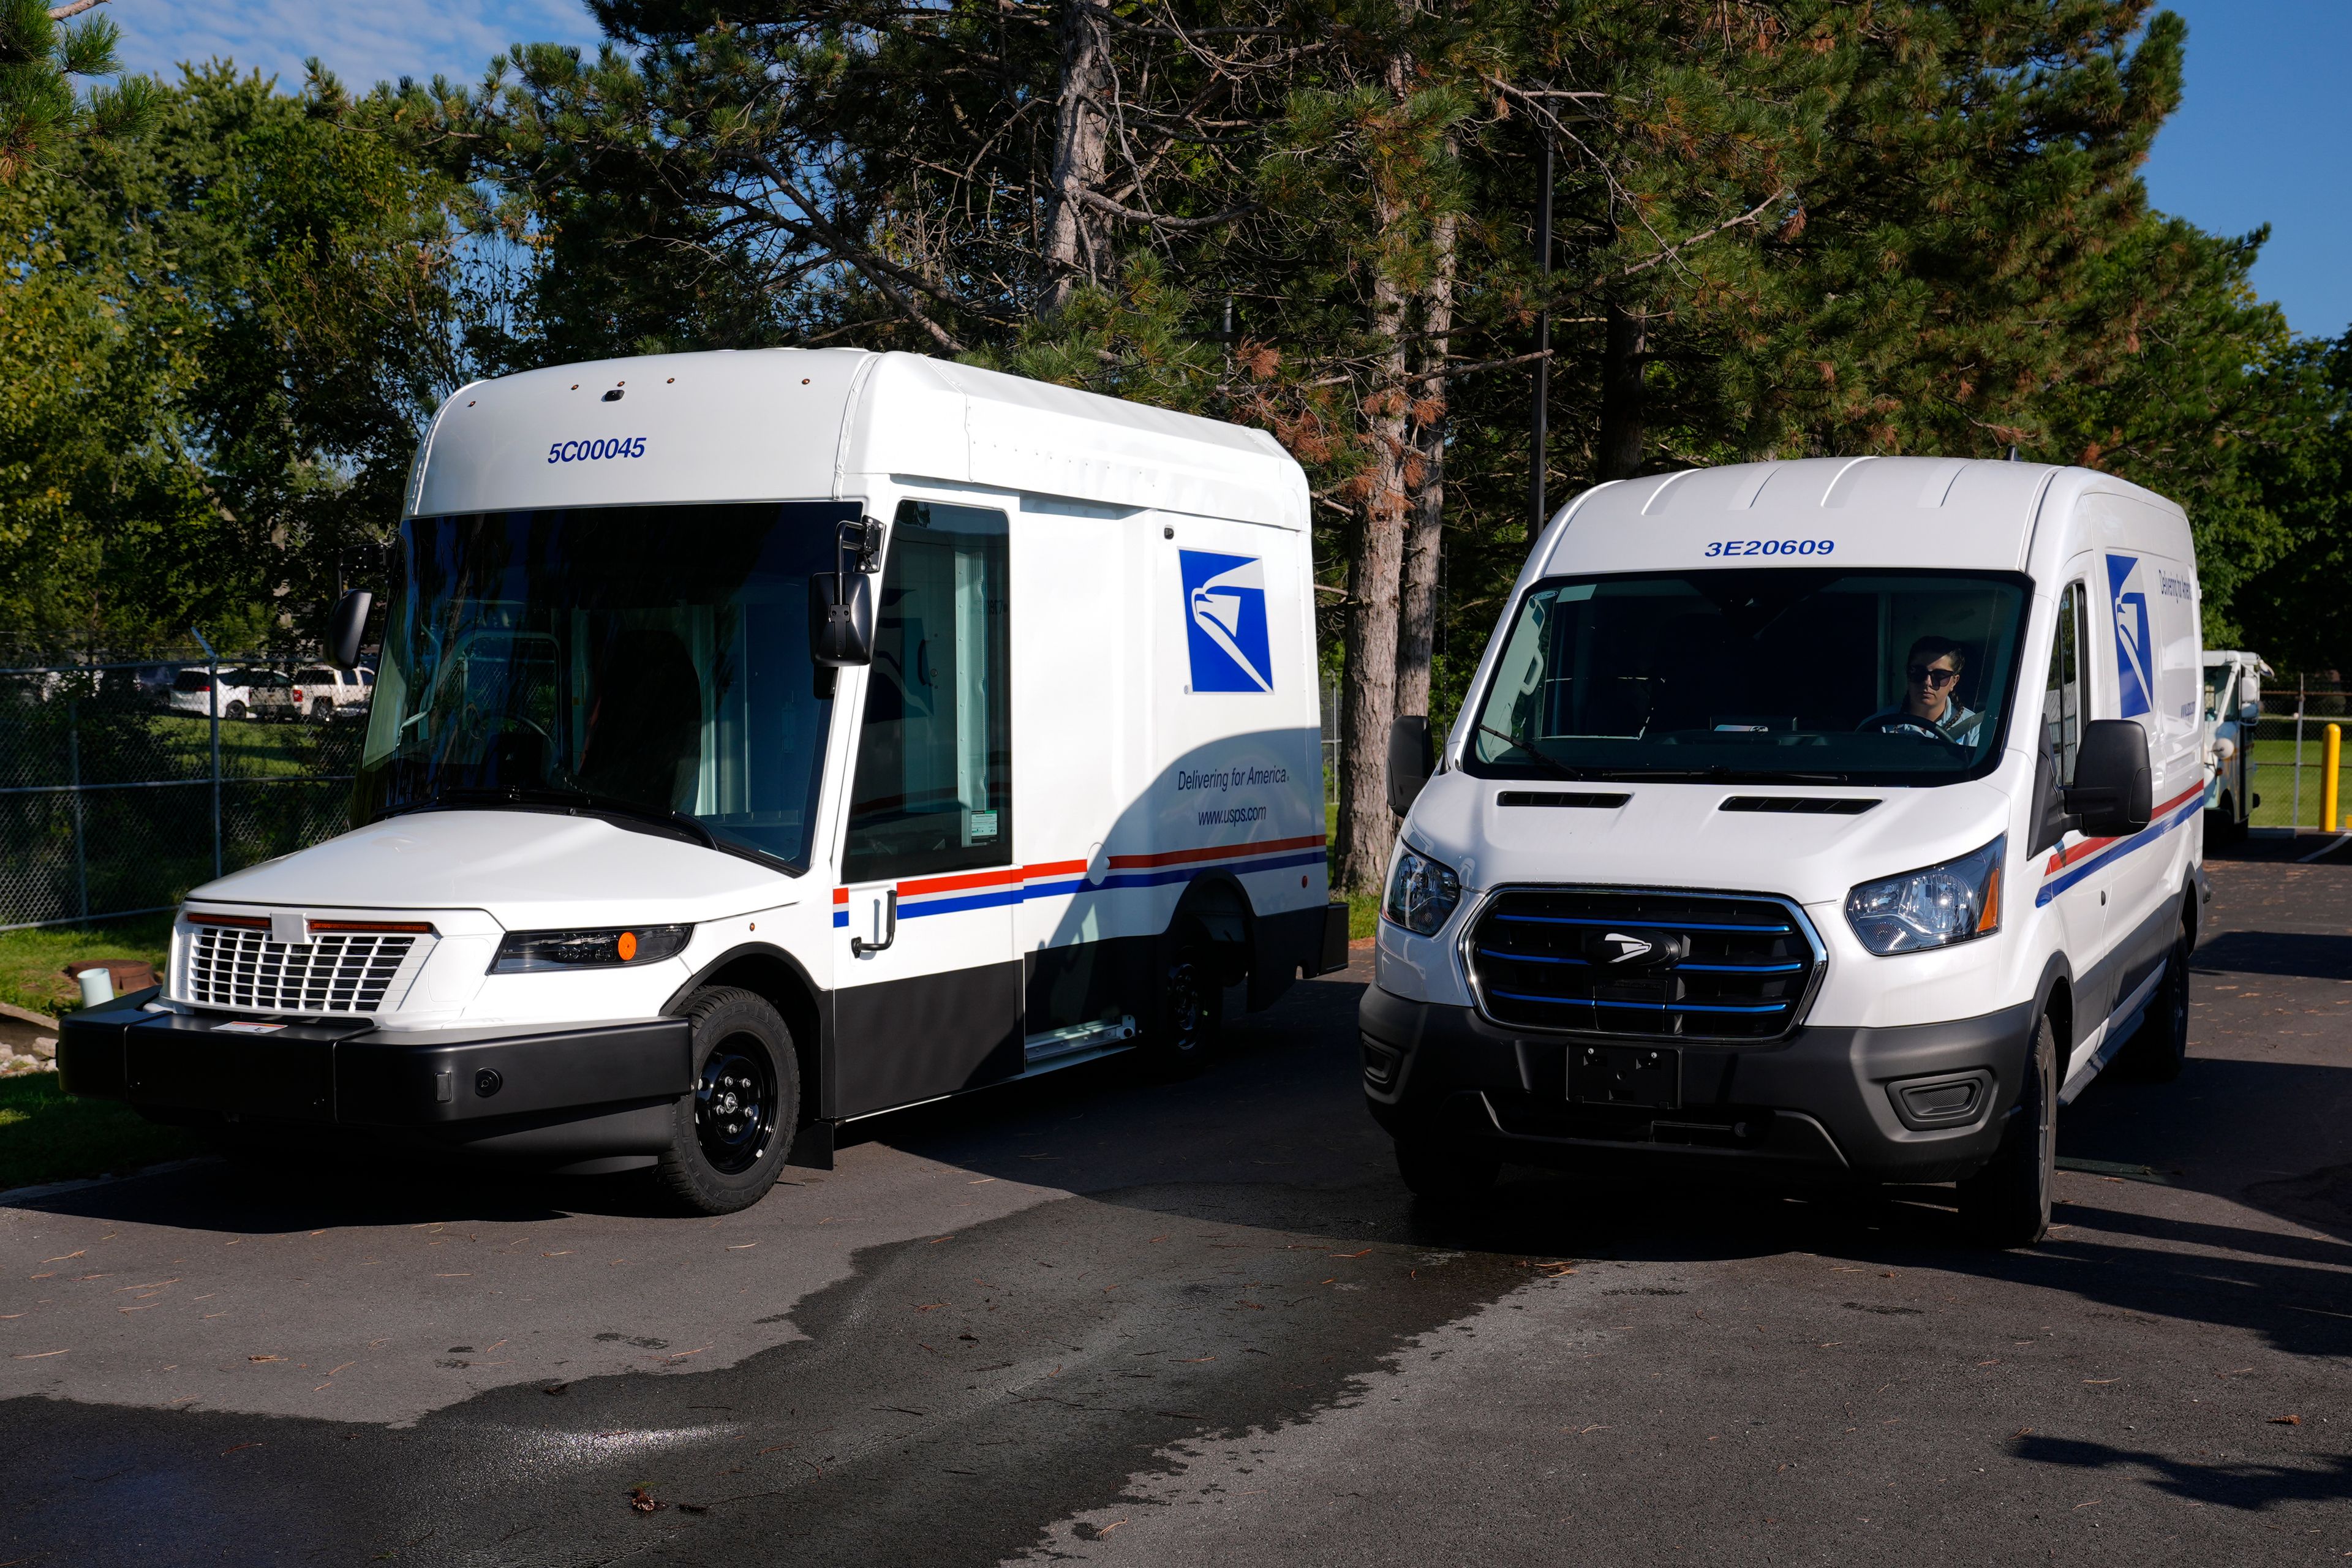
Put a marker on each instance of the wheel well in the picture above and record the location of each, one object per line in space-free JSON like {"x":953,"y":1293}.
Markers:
{"x":1221,"y":911}
{"x":2060,"y":1006}
{"x":2188,"y":912}
{"x":769,"y":976}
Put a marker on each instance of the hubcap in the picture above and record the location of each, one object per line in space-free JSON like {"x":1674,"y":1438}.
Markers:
{"x":735,"y":1105}
{"x":1184,"y":1004}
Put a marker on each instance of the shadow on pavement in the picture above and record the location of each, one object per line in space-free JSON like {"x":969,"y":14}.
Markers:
{"x":2238,"y":1484}
{"x":2306,"y":954}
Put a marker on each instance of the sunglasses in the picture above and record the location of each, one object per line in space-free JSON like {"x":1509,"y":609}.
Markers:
{"x":1921,"y":675}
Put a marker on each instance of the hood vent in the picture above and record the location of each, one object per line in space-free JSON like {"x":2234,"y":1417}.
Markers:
{"x":1590,"y":800}
{"x":1798,"y":804}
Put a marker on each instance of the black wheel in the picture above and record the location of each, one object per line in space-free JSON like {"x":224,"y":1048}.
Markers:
{"x":1447,"y":1170}
{"x":2158,"y":1048}
{"x":233,"y":711}
{"x":322,"y":708}
{"x":728,"y":1138}
{"x":2007,"y":1203}
{"x":1191,"y":1011}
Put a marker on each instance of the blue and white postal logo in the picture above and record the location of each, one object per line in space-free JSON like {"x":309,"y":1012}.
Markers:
{"x":2135,"y":650}
{"x":1225,"y":621}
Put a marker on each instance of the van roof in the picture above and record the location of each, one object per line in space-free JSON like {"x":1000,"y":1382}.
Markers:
{"x":810,"y":424}
{"x":1964,"y":512}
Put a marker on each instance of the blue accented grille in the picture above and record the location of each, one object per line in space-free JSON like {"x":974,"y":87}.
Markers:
{"x":1721,"y":969}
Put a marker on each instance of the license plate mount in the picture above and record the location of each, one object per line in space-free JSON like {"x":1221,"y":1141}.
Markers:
{"x":1648,"y":1077}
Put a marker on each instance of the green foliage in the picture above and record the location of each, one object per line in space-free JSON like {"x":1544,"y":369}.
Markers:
{"x":230,"y":334}
{"x":40,"y":111}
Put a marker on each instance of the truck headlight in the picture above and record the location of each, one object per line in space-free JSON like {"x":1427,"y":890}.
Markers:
{"x":1935,"y":907}
{"x":523,"y":951}
{"x":1422,"y":893}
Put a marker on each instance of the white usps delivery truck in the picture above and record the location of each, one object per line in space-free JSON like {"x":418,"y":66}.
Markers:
{"x":1832,"y":818}
{"x":762,"y":741}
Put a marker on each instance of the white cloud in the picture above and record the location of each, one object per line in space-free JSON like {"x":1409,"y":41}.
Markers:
{"x":362,"y":41}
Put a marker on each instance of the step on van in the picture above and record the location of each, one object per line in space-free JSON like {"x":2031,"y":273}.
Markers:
{"x":1834,"y":820}
{"x":764,"y":741}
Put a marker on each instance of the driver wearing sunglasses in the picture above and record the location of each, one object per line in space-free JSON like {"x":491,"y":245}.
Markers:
{"x":1930,"y":706}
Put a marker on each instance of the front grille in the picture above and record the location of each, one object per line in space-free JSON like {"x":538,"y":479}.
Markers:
{"x":236,"y":967}
{"x":1729,"y":968}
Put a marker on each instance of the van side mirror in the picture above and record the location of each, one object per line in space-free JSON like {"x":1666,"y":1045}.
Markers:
{"x":345,"y":625}
{"x":1409,"y":762}
{"x":841,"y":618}
{"x":2249,"y":713}
{"x":2110,"y":795}
{"x":841,"y":602}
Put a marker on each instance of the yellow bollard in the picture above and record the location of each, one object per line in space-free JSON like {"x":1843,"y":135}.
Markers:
{"x":2330,"y":754}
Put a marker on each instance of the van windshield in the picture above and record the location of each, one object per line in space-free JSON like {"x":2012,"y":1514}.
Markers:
{"x":649,"y":663}
{"x":1781,"y":674}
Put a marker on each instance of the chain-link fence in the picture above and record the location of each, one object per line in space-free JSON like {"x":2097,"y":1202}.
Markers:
{"x":123,"y":786}
{"x":2289,"y":749}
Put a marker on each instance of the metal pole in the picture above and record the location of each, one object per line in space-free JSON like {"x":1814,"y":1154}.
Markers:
{"x":2297,"y":817}
{"x":212,"y":682}
{"x":73,"y":773}
{"x":1537,"y":430}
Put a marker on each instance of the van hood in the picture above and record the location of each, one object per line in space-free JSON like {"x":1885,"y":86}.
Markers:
{"x":1678,"y":835}
{"x":526,"y":868}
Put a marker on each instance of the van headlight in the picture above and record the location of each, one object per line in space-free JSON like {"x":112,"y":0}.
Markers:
{"x":1936,"y":906}
{"x":524,"y":952}
{"x":1422,"y":893}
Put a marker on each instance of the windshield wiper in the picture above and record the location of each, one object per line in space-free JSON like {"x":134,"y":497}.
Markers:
{"x":1722,"y":774}
{"x":1554,"y":763}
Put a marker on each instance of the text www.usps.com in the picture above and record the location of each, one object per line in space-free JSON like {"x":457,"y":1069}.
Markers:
{"x":1233,"y":814}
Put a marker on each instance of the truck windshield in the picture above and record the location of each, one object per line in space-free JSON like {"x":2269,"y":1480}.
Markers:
{"x":648,"y":662}
{"x":1783,"y":674}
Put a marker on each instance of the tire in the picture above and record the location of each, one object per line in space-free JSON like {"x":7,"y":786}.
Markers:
{"x":322,"y":708}
{"x":2158,"y":1048}
{"x":1447,"y":1170}
{"x":233,"y":711}
{"x":1191,"y":1011}
{"x":730,"y":1136}
{"x":2007,"y":1203}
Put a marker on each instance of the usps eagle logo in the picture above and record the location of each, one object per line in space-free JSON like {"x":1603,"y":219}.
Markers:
{"x":2135,"y":665}
{"x":1225,"y":621}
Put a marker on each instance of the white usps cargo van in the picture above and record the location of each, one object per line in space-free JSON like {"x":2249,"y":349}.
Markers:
{"x":1831,"y":818}
{"x":765,"y":740}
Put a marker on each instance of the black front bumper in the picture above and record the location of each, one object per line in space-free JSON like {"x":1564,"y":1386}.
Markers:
{"x":567,"y":1095}
{"x":1879,"y":1104}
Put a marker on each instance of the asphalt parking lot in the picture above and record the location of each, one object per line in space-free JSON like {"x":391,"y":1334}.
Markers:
{"x":1098,"y":1319}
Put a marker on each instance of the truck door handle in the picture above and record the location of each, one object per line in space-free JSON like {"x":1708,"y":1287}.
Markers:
{"x":859,"y":947}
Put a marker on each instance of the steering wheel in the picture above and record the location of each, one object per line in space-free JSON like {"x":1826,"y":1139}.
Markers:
{"x":1919,"y":729}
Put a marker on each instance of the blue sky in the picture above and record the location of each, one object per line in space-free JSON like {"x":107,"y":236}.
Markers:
{"x":2260,"y":138}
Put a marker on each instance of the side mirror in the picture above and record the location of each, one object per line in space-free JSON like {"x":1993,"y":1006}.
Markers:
{"x":344,"y":627}
{"x":841,"y":618}
{"x":2110,"y":795}
{"x":1409,"y":762}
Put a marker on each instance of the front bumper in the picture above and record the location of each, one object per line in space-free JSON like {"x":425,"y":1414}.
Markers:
{"x":1824,"y":1103}
{"x":569,"y":1095}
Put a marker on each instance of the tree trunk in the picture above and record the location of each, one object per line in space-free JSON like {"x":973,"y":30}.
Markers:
{"x":1618,"y":454}
{"x":1073,"y":233}
{"x":1424,"y":481}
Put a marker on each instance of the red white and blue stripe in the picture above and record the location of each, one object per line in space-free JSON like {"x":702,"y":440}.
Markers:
{"x":2071,"y":864}
{"x":1064,"y":879}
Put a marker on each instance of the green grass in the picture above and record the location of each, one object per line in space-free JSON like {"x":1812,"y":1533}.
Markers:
{"x":47,"y":1135}
{"x":32,"y":962}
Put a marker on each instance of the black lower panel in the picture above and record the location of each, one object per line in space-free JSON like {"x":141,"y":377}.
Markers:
{"x":1087,"y":981}
{"x":898,"y":1041}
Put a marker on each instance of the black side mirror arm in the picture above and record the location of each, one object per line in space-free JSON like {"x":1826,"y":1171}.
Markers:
{"x":841,"y":602}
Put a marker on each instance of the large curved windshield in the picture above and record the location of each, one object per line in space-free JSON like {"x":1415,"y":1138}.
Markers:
{"x":651,"y":663}
{"x":1786,"y":673}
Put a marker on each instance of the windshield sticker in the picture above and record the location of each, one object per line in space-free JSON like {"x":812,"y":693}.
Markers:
{"x":596,"y":451}
{"x":2134,"y":671}
{"x":1225,"y":629}
{"x":1769,"y":546}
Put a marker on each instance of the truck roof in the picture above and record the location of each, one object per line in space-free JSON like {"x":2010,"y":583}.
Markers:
{"x":1875,"y":509}
{"x":813,"y":424}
